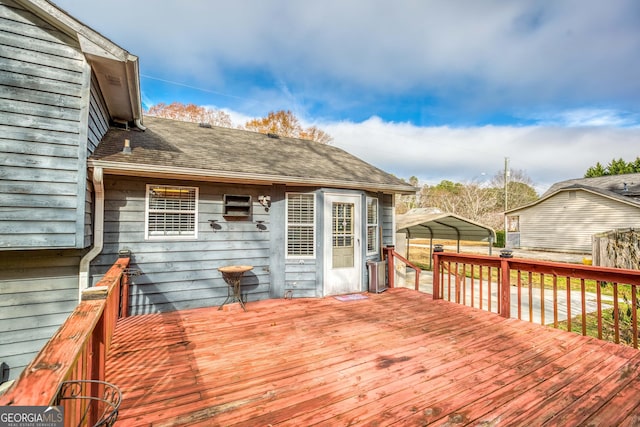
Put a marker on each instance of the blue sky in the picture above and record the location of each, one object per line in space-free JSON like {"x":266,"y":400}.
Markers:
{"x":437,"y":89}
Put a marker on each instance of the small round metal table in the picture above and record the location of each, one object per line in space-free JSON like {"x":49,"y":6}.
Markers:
{"x":232,"y":275}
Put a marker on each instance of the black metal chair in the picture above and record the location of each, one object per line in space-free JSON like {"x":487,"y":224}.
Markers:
{"x":95,"y":402}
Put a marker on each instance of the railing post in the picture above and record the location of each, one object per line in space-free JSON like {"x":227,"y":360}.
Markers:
{"x":391,"y":270}
{"x":436,"y":275}
{"x":505,"y":284}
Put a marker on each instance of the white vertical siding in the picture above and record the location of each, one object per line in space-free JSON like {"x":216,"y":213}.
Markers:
{"x":568,"y":220}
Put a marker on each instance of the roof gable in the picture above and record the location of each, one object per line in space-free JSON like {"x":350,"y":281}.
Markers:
{"x":115,"y":69}
{"x":624,"y":185}
{"x":187,"y":149}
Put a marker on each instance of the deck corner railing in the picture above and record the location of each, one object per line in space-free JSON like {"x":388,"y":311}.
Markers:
{"x":77,"y":351}
{"x":515,"y":287}
{"x":390,"y":256}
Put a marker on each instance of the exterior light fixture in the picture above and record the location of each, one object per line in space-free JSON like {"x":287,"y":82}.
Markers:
{"x":265,"y":201}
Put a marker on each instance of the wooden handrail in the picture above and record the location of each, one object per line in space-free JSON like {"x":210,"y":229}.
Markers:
{"x":78,"y":349}
{"x":390,"y":254}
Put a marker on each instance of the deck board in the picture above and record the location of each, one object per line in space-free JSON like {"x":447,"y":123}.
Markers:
{"x":396,"y":358}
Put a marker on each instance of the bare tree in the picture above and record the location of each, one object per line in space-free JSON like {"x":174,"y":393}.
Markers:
{"x":191,"y":113}
{"x":473,"y":200}
{"x":520,"y":189}
{"x":285,"y":123}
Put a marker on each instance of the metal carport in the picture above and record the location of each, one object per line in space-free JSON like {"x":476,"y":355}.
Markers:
{"x":430,"y":224}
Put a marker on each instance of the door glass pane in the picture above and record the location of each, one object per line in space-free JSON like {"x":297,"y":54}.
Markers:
{"x":342,"y":229}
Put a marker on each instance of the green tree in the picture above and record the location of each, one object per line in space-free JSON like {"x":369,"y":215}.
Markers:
{"x":619,"y":167}
{"x":615,"y":167}
{"x":594,"y":171}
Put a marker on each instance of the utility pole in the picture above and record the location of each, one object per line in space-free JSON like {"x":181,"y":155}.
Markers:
{"x":506,"y":181}
{"x":506,"y":195}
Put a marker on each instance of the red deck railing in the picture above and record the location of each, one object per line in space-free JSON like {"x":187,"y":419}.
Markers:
{"x":77,"y":351}
{"x":541,"y":290}
{"x":390,"y":256}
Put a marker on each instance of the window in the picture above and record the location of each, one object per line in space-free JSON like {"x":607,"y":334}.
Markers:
{"x":301,"y":225}
{"x":171,"y":212}
{"x":372,"y":225}
{"x":513,"y":223}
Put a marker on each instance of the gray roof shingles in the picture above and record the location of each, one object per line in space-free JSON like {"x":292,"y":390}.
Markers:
{"x":172,"y":143}
{"x":624,"y":187}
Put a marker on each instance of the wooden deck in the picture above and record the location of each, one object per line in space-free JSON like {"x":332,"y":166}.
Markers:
{"x":396,"y":358}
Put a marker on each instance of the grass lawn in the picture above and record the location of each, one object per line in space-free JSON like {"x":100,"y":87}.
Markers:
{"x":625,"y":329}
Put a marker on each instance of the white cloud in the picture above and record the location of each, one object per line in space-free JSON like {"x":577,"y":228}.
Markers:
{"x":546,"y":154}
{"x":478,"y":55}
{"x":587,"y":117}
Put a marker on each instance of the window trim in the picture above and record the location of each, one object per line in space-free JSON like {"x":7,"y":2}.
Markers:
{"x":376,"y":243}
{"x":313,"y":225}
{"x":513,"y":223}
{"x":147,"y":211}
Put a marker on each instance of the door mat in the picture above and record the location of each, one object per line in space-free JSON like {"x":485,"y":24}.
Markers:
{"x":351,"y":297}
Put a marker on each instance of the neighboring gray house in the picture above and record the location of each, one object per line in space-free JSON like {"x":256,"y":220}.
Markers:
{"x":185,"y":201}
{"x":188,"y":199}
{"x":567,"y":216}
{"x":61,"y":85}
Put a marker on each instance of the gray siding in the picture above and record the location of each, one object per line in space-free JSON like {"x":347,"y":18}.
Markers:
{"x":568,"y":220}
{"x":303,"y":276}
{"x":388,"y":214}
{"x":182,"y":274}
{"x":97,"y":128}
{"x":43,"y":90}
{"x":38,"y":291}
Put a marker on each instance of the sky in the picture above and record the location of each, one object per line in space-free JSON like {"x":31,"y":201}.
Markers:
{"x":437,"y":89}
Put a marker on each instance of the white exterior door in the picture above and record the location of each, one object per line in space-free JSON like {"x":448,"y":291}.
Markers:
{"x":343,"y":253}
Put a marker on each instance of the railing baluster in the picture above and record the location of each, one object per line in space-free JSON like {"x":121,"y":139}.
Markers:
{"x":599,"y":307}
{"x":489,"y":291}
{"x":542,"y":320}
{"x":584,"y":307}
{"x":568,"y":285}
{"x":530,"y":277}
{"x":634,"y":315}
{"x":519,"y":295}
{"x":482,"y":286}
{"x":555,"y":302}
{"x":472,"y":286}
{"x":464,"y":283}
{"x":616,"y":315}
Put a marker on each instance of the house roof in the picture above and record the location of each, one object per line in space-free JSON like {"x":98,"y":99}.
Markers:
{"x":612,"y":183}
{"x":170,"y":148}
{"x":622,"y":188}
{"x":425,"y":223}
{"x":116,"y":69}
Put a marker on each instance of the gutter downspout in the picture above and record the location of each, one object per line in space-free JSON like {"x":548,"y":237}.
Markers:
{"x":139,"y":124}
{"x":98,"y":231}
